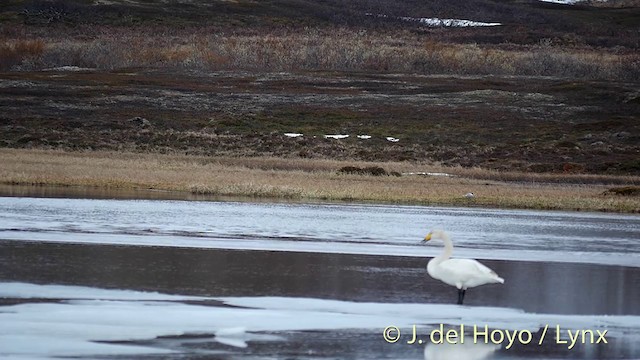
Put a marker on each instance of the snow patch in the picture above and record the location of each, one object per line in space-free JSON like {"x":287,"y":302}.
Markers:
{"x":567,"y":2}
{"x":69,"y":68}
{"x":437,"y":22}
{"x":336,"y":136}
{"x":66,"y":326}
{"x":292,"y":135}
{"x":429,"y":174}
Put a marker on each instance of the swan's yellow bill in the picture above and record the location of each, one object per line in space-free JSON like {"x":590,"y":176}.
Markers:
{"x":428,"y":237}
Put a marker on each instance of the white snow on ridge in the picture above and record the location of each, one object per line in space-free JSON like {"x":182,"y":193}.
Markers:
{"x":70,"y":68}
{"x":340,"y":136}
{"x":336,"y":136}
{"x":568,"y":2}
{"x":436,"y":22}
{"x":70,"y":327}
{"x":293,"y":135}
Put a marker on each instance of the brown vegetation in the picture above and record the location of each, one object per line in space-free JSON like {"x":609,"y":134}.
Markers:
{"x":16,"y":53}
{"x":343,"y":49}
{"x":301,"y":179}
{"x":368,"y":170}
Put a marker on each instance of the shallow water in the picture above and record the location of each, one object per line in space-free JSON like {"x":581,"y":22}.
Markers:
{"x":281,"y":267}
{"x":556,"y":288}
{"x":339,"y":228}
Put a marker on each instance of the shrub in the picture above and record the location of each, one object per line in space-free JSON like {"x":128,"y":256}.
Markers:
{"x":369,"y":170}
{"x":17,"y":52}
{"x":572,"y":168}
{"x":350,"y":170}
{"x":312,"y":49}
{"x":630,"y":166}
{"x":624,"y":191}
{"x":374,"y":171}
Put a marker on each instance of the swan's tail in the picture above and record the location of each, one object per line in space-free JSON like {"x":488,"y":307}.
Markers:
{"x":496,"y":278}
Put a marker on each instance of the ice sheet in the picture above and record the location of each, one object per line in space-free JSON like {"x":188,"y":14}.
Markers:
{"x":62,"y":325}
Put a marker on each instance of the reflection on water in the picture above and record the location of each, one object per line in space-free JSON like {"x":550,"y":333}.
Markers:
{"x":85,"y":192}
{"x":535,"y":287}
{"x":465,"y":351}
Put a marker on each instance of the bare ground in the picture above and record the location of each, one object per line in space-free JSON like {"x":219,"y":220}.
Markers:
{"x":504,"y":123}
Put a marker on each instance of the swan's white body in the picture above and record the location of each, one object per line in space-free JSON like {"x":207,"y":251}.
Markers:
{"x":461,"y":273}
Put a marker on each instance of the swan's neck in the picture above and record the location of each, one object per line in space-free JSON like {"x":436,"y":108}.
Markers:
{"x":448,"y":249}
{"x":432,"y":265}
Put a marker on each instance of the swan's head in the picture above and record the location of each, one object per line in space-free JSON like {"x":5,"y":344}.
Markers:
{"x":434,"y":234}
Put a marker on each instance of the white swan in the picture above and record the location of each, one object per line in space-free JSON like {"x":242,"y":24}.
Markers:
{"x":461,"y":273}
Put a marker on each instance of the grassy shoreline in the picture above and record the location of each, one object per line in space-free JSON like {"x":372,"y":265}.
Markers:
{"x":312,"y":180}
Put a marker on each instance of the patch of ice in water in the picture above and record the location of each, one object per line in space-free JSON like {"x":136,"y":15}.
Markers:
{"x":413,"y":313}
{"x":67,"y":326}
{"x":33,"y":291}
{"x":33,"y":346}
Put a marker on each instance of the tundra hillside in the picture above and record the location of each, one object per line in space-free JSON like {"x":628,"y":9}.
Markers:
{"x":553,"y":89}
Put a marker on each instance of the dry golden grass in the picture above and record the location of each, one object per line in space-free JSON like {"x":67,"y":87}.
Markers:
{"x":302,"y":179}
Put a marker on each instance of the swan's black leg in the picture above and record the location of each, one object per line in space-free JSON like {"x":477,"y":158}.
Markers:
{"x":460,"y":296}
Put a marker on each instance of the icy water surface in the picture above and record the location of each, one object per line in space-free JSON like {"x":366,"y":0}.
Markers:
{"x":334,"y":228}
{"x":229,"y":280}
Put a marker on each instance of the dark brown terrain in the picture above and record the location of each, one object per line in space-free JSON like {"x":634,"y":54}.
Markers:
{"x":554,"y":89}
